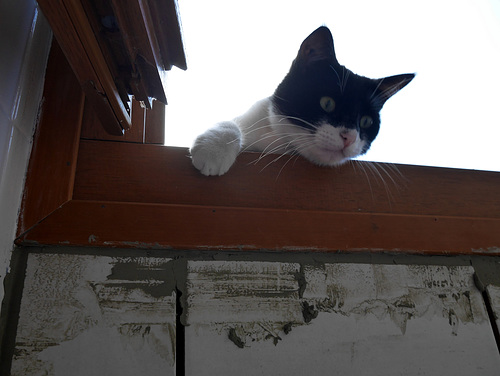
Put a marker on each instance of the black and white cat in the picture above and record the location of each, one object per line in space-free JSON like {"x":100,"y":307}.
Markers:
{"x":321,"y":111}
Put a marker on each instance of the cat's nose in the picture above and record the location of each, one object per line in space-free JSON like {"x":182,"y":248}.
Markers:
{"x":349,"y":137}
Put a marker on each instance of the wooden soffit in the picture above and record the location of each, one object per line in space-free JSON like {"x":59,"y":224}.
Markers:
{"x":118,"y":49}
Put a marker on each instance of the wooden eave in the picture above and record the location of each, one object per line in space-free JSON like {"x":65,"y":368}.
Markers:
{"x":118,"y":49}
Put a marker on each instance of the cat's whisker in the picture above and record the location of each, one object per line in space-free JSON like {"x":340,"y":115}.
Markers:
{"x":369,"y":166}
{"x":249,"y":146}
{"x":388,"y":92}
{"x":251,"y":129}
{"x":281,"y":98}
{"x":292,"y":147}
{"x":292,"y":156}
{"x":393,"y":173}
{"x":375,"y":169}
{"x":280,"y":133}
{"x":396,"y":170}
{"x":283,"y":146}
{"x":274,"y":160}
{"x":361,"y":164}
{"x":376,"y":89}
{"x":246,"y":132}
{"x":305,"y":144}
{"x":345,"y":77}
{"x":273,"y":150}
{"x":313,"y":126}
{"x":257,"y":122}
{"x":272,"y":133}
{"x":338,"y":77}
{"x":381,"y":166}
{"x":280,"y":147}
{"x":281,"y":136}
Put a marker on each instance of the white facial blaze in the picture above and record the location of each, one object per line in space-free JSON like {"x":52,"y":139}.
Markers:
{"x":326,"y":146}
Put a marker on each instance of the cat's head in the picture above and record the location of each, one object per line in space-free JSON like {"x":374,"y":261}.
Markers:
{"x":325,"y":112}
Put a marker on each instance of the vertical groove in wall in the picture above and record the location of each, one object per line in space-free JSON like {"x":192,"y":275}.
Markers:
{"x":491,"y":316}
{"x":180,"y":275}
{"x":180,"y":350}
{"x":11,"y":306}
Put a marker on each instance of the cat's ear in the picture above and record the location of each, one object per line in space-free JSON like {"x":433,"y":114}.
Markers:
{"x":388,"y":86}
{"x":317,"y":47}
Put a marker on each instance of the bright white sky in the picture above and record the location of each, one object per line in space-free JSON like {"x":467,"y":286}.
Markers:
{"x":239,"y":51}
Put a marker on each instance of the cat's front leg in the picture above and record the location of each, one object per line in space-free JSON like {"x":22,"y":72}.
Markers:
{"x":215,"y":151}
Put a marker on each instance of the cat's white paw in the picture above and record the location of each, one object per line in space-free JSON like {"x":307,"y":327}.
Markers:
{"x":215,"y":151}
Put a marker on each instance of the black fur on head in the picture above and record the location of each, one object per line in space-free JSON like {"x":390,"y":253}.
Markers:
{"x":316,"y":74}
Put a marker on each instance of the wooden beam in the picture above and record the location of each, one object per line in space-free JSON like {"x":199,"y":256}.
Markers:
{"x":151,"y":196}
{"x":154,"y":124}
{"x":157,"y":174}
{"x":139,"y":225}
{"x":51,"y":171}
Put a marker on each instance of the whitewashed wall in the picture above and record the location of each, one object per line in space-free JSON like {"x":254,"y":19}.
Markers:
{"x":102,"y":315}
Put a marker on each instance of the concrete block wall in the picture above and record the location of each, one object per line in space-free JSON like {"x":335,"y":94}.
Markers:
{"x":83,"y":312}
{"x":96,"y":315}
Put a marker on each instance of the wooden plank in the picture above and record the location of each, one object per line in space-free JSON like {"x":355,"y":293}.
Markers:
{"x":163,"y":175}
{"x":148,"y":125}
{"x":167,"y":25}
{"x":154,"y":126}
{"x":145,"y":225}
{"x":51,"y":171}
{"x":92,"y":128}
{"x":149,"y":195}
{"x":345,"y":319}
{"x":142,"y":46}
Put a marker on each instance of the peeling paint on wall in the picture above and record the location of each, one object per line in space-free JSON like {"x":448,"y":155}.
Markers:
{"x":349,"y":319}
{"x":90,"y":315}
{"x":248,"y":301}
{"x":400,"y":293}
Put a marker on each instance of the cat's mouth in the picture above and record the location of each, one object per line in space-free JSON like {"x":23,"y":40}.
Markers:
{"x":330,"y":149}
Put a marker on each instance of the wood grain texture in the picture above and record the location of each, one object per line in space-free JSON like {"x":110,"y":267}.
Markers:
{"x":138,"y":195}
{"x":165,"y":176}
{"x":154,"y":124}
{"x":166,"y":21}
{"x":147,"y":225}
{"x":51,"y":171}
{"x":74,"y":33}
{"x":92,"y":128}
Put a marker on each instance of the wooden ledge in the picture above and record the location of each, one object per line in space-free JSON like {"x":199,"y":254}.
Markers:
{"x":121,"y":194}
{"x":149,"y":196}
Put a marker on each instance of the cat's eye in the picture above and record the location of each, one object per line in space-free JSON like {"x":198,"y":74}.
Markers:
{"x":366,"y":122}
{"x":327,"y":104}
